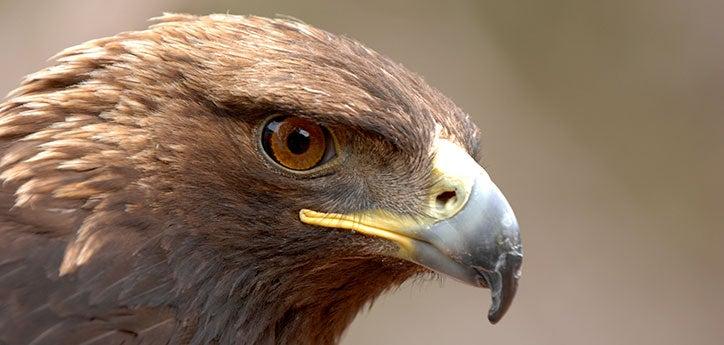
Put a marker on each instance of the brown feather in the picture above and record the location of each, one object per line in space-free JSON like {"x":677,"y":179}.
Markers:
{"x":137,"y":207}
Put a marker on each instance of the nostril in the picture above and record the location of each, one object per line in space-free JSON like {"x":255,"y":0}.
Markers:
{"x":446,"y":199}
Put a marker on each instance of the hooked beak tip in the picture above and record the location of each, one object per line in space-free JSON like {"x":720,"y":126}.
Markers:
{"x":503,"y":284}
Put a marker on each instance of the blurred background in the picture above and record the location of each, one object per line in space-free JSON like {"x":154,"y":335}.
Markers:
{"x":603,"y":124}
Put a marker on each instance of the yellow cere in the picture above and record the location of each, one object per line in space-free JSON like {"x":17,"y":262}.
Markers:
{"x":453,"y":171}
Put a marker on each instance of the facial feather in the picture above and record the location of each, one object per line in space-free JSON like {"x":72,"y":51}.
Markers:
{"x":138,"y":157}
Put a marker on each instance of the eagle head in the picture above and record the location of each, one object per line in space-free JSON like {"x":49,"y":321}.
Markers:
{"x":246,"y":178}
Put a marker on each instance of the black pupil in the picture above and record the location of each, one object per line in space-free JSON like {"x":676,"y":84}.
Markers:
{"x":298,"y":141}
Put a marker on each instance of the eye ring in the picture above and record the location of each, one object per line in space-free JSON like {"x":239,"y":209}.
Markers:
{"x":296,"y":143}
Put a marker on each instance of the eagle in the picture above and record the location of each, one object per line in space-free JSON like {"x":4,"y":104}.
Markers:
{"x":230,"y":179}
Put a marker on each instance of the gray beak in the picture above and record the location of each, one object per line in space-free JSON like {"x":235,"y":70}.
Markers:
{"x":480,"y":245}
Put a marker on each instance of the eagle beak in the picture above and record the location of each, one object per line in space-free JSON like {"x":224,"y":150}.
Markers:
{"x":469,"y":233}
{"x":480,"y":245}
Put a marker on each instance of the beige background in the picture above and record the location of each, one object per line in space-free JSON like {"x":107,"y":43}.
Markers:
{"x":603,"y":124}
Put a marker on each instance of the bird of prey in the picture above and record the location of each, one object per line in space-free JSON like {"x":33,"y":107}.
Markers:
{"x":234,"y":180}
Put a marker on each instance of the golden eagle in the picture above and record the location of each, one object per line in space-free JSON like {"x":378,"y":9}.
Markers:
{"x":234,"y":180}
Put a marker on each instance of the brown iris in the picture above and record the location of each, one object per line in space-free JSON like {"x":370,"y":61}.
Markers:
{"x":297,"y":143}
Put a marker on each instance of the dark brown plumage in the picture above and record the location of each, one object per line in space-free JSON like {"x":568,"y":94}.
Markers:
{"x":137,"y":206}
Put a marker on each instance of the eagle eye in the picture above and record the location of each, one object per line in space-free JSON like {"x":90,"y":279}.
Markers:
{"x":296,"y":143}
